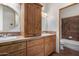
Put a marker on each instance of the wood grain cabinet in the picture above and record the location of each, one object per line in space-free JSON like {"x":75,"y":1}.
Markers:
{"x":31,"y":19}
{"x":42,"y":46}
{"x":14,"y":49}
{"x":35,"y":47}
{"x":50,"y":44}
{"x":37,"y":20}
{"x":32,"y":47}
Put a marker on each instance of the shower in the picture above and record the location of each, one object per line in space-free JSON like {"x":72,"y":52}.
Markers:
{"x":69,"y":27}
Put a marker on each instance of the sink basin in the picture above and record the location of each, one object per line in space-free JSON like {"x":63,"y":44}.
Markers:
{"x":7,"y":38}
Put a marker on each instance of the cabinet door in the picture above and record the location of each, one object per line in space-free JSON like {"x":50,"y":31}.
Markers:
{"x":27,"y":25}
{"x":37,"y":20}
{"x":30,"y":21}
{"x":54,"y":43}
{"x":21,"y":52}
{"x":35,"y":47}
{"x":13,"y":49}
{"x":49,"y":45}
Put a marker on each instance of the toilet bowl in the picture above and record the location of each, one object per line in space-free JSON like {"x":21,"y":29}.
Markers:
{"x":62,"y":44}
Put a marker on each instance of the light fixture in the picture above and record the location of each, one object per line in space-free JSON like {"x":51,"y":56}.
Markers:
{"x":44,"y":14}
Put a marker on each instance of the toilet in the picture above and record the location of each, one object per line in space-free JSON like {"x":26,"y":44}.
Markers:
{"x":62,"y":44}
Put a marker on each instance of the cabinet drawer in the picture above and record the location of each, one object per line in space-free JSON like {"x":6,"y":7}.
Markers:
{"x":35,"y":42}
{"x":12,"y":47}
{"x":35,"y":50}
{"x":21,"y":52}
{"x":35,"y":47}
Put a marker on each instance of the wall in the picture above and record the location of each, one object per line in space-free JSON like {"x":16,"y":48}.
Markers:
{"x":1,"y":17}
{"x":44,"y":24}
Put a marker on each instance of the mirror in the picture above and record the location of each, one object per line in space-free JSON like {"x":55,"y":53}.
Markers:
{"x":9,"y":17}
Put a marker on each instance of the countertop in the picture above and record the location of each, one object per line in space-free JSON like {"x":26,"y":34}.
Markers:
{"x":21,"y":38}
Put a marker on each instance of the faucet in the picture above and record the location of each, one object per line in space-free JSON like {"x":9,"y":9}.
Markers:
{"x":3,"y":34}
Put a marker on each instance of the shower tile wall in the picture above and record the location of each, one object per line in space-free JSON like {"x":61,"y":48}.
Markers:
{"x":70,"y":28}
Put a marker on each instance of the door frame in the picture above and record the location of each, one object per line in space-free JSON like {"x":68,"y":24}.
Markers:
{"x":60,"y":20}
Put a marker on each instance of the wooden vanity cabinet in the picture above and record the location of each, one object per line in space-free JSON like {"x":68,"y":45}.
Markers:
{"x":13,"y":49}
{"x":35,"y":47}
{"x":21,"y":52}
{"x":50,"y":44}
{"x":31,"y":19}
{"x":39,"y":46}
{"x":37,"y":20}
{"x":42,"y":46}
{"x":54,"y":43}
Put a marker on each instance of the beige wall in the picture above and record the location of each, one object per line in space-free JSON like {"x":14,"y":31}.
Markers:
{"x":1,"y":17}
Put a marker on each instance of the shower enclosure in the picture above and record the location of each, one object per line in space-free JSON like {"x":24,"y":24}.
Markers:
{"x":69,"y":27}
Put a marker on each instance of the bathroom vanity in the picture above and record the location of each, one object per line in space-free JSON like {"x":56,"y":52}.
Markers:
{"x":30,"y":46}
{"x":31,"y":42}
